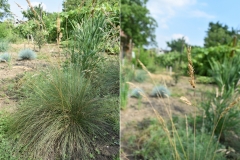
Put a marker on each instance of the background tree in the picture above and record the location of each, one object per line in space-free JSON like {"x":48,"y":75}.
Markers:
{"x":136,"y":23}
{"x":4,"y":8}
{"x":177,"y":45}
{"x":218,"y":34}
{"x":74,"y":4}
{"x":30,"y":15}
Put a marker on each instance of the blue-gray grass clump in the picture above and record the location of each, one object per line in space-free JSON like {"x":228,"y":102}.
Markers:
{"x":5,"y":57}
{"x":136,"y":93}
{"x":27,"y":54}
{"x":160,"y":91}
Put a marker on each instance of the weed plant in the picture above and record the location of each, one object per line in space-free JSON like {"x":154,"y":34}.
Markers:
{"x":27,"y":54}
{"x":63,"y":117}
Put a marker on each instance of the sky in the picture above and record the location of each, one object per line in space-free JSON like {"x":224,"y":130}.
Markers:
{"x":48,"y":5}
{"x":190,"y":18}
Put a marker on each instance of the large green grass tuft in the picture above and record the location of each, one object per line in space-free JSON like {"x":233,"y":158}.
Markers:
{"x":63,"y":118}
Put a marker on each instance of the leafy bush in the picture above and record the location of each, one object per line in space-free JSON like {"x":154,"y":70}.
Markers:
{"x":136,"y":93}
{"x":4,"y":45}
{"x":5,"y":57}
{"x":143,"y":56}
{"x":160,"y":91}
{"x":27,"y":54}
{"x":63,"y":118}
{"x":168,"y":59}
{"x":5,"y":29}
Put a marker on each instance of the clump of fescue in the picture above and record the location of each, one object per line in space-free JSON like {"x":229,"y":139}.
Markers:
{"x":140,"y":76}
{"x":4,"y":45}
{"x":27,"y":54}
{"x":160,"y":91}
{"x":63,"y":118}
{"x":5,"y":57}
{"x":137,"y":93}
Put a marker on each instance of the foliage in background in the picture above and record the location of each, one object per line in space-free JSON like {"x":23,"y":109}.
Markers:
{"x":177,"y":45}
{"x":205,"y":80}
{"x":140,"y":76}
{"x":39,"y":38}
{"x":137,"y":23}
{"x":27,"y":54}
{"x":4,"y":45}
{"x":218,"y":34}
{"x":62,"y":118}
{"x":4,"y":8}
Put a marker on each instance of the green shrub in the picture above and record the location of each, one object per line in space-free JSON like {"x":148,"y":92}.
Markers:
{"x":143,"y":56}
{"x":27,"y":54}
{"x":5,"y":29}
{"x":4,"y":45}
{"x":5,"y":57}
{"x":160,"y":91}
{"x":63,"y":118}
{"x":39,"y":38}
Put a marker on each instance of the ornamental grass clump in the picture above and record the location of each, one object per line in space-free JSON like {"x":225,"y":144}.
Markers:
{"x":160,"y":91}
{"x":63,"y":118}
{"x":27,"y":54}
{"x":5,"y":57}
{"x":137,"y":93}
{"x":4,"y":45}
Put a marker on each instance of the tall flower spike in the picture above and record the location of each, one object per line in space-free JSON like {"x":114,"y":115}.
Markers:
{"x":190,"y":68}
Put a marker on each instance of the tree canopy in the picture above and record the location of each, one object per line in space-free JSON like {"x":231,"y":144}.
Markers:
{"x":74,"y":4}
{"x":177,"y":45}
{"x":4,"y":8}
{"x":39,"y":11}
{"x":218,"y":34}
{"x":136,"y":23}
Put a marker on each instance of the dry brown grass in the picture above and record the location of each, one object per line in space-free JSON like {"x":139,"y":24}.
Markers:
{"x":190,"y":68}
